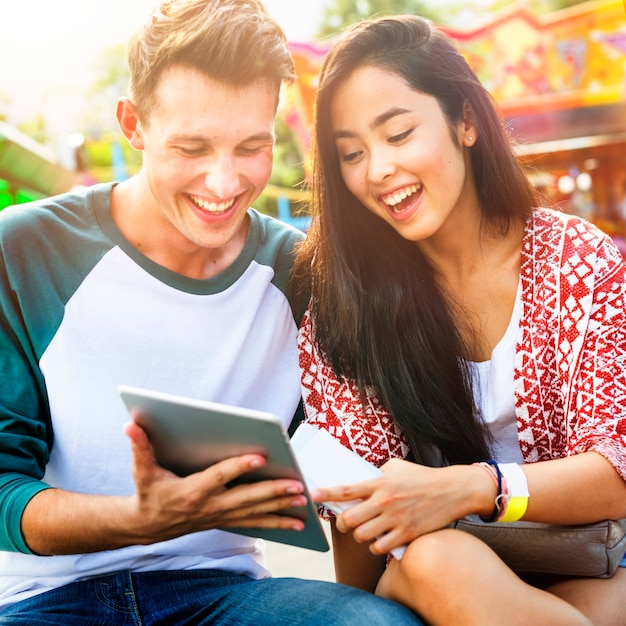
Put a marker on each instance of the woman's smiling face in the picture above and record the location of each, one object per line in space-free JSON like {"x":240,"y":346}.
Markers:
{"x":399,"y":155}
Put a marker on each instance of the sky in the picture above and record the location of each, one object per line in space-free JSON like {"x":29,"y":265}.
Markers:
{"x":52,"y":44}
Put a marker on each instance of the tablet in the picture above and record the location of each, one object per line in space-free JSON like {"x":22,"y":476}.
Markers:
{"x":189,"y":435}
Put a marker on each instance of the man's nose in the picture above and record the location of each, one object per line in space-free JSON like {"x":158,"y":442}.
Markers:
{"x":221,"y":177}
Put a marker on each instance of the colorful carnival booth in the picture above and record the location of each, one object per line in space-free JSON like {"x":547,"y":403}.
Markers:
{"x":560,"y":82}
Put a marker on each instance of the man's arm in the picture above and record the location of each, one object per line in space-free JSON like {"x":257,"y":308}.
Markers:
{"x":164,"y":506}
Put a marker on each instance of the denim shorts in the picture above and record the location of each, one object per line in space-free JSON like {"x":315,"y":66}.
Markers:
{"x":202,"y":597}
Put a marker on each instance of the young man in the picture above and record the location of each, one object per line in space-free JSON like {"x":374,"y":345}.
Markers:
{"x":168,"y":281}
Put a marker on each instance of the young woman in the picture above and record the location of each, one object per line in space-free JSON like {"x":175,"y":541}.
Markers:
{"x":452,"y":323}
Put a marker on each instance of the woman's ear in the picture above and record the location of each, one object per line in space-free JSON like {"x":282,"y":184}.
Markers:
{"x":469,"y":132}
{"x":129,"y":123}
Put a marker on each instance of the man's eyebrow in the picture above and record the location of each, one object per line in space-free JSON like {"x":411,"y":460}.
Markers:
{"x":260,"y":137}
{"x":379,"y":120}
{"x":263,"y":136}
{"x":191,"y":138}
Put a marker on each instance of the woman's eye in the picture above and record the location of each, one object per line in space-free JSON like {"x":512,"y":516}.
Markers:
{"x":350,"y":157}
{"x":401,"y":136}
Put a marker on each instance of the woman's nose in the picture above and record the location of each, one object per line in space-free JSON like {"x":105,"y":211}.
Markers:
{"x":380,"y":167}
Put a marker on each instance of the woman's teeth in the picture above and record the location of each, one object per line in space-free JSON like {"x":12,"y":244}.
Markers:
{"x":398,"y":196}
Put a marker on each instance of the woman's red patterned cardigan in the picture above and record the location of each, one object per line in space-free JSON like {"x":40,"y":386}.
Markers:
{"x":570,"y":362}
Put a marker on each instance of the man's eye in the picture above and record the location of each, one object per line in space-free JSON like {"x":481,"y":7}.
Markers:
{"x":191,"y":151}
{"x":251,"y":150}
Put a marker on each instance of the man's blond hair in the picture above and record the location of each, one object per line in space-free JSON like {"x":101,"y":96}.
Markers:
{"x":234,"y":41}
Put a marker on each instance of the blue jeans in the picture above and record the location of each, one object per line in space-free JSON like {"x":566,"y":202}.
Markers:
{"x":196,"y":597}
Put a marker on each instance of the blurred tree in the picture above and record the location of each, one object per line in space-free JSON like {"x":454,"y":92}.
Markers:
{"x":110,"y":82}
{"x":288,"y":170}
{"x":288,"y":160}
{"x":111,"y":70}
{"x":341,"y":13}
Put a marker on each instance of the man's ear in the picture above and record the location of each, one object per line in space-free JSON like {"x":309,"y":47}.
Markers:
{"x":129,"y":123}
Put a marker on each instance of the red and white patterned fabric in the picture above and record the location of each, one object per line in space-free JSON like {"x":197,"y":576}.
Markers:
{"x":570,"y":363}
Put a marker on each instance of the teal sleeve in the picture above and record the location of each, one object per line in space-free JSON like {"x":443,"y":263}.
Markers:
{"x":276,"y":248}
{"x":37,"y":276}
{"x":17,"y":491}
{"x":24,"y":416}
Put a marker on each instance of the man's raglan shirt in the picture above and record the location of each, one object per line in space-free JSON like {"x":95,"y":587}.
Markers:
{"x":82,"y":312}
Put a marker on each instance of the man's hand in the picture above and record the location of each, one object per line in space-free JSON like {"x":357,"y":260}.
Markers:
{"x":168,"y":506}
{"x":164,"y":506}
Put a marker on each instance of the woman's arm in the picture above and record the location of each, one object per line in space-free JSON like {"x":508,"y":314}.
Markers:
{"x":576,"y":490}
{"x":411,"y":500}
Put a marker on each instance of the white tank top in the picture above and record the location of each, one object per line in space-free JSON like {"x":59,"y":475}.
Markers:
{"x":493,"y":390}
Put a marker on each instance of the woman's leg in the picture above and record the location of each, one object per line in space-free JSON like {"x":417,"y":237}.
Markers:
{"x":600,"y":599}
{"x":452,"y":578}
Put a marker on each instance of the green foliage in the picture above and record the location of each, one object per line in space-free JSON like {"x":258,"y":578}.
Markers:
{"x":338,"y":14}
{"x":288,"y":168}
{"x":110,"y":81}
{"x":111,"y":71}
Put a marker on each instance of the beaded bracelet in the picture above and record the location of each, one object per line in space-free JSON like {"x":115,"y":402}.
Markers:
{"x":492,"y":468}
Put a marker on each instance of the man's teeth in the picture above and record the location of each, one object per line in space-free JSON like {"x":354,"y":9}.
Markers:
{"x":213,"y":207}
{"x":398,"y":196}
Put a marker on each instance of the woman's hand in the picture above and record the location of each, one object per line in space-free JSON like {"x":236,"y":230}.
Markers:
{"x":410,"y":500}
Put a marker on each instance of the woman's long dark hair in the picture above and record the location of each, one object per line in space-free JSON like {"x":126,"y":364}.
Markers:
{"x":380,"y":316}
